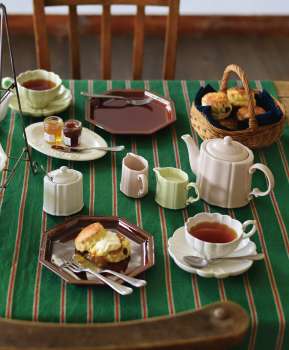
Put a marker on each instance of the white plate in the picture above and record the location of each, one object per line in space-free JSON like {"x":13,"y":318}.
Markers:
{"x":178,"y":248}
{"x":61,"y":103}
{"x":89,"y":138}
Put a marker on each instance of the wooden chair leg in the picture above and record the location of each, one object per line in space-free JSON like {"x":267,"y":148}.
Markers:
{"x":74,"y":42}
{"x":169,"y":63}
{"x":138,"y":43}
{"x":40,"y":34}
{"x":105,"y":43}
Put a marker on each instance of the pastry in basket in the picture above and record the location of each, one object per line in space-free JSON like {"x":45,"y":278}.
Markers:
{"x":243,"y":112}
{"x":231,"y":123}
{"x":238,"y":97}
{"x":102,"y":246}
{"x":219,"y":103}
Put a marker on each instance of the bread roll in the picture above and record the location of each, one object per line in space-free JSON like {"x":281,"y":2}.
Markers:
{"x":243,"y":112}
{"x":238,"y":97}
{"x":219,"y":103}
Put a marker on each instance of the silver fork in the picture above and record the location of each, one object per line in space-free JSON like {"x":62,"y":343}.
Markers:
{"x":119,"y":288}
{"x":136,"y":282}
{"x":129,"y":101}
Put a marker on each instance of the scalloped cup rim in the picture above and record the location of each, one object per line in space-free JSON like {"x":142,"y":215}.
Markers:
{"x":211,"y":250}
{"x":57,"y":80}
{"x":216,"y":215}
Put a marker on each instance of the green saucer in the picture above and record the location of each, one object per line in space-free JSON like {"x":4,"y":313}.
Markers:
{"x":61,"y":103}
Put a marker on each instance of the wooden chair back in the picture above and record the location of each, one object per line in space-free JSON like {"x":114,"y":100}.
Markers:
{"x":169,"y":59}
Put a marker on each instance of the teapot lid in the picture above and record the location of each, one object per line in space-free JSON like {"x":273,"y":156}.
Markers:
{"x":64,"y":175}
{"x":227,"y":149}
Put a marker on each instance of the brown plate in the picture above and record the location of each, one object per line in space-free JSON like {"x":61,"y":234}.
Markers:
{"x":58,"y":244}
{"x":118,"y":118}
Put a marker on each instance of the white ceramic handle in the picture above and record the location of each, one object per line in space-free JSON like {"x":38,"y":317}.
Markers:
{"x":191,"y":200}
{"x":6,"y":82}
{"x":252,"y":231}
{"x":144,"y":185}
{"x":256,"y":192}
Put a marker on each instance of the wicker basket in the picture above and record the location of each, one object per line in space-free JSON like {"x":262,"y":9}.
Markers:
{"x":254,"y":136}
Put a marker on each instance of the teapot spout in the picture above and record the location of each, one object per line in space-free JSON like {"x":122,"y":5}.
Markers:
{"x":194,"y":153}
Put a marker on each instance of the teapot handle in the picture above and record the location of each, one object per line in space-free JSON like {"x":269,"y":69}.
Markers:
{"x":256,"y":192}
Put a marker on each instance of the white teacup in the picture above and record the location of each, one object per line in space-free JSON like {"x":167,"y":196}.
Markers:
{"x":36,"y":98}
{"x":216,"y":250}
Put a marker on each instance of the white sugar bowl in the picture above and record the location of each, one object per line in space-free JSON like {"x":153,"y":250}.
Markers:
{"x":63,"y":192}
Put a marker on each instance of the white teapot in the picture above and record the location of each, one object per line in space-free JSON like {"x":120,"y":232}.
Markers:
{"x":224,"y":171}
{"x":63,"y":192}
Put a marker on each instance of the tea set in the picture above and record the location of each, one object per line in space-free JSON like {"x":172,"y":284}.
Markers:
{"x":223,"y":169}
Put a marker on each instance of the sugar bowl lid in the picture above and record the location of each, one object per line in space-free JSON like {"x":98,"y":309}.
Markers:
{"x":226,"y":149}
{"x":64,"y":175}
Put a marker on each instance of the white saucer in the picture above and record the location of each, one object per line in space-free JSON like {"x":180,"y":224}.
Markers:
{"x":62,"y":102}
{"x":178,"y":248}
{"x":89,"y":138}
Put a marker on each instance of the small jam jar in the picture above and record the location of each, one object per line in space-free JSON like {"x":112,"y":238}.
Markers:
{"x":53,"y":129}
{"x":71,"y":132}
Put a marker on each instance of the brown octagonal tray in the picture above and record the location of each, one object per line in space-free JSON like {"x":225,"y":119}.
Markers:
{"x":58,"y":244}
{"x":118,"y":118}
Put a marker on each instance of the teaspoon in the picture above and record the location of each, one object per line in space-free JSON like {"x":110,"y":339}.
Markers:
{"x":68,"y":149}
{"x":199,"y":262}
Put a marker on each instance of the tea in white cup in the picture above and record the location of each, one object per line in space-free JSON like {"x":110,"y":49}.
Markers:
{"x":39,"y":87}
{"x":214,"y":235}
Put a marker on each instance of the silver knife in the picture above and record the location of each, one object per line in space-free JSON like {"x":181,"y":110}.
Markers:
{"x":85,"y":265}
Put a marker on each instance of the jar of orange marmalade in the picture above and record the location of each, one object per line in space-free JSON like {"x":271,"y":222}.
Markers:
{"x":53,"y":129}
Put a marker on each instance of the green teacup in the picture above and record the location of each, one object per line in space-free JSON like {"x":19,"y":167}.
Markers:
{"x":173,"y":187}
{"x":39,"y":87}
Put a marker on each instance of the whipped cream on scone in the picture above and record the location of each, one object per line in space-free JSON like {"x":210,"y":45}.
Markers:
{"x":102,"y":246}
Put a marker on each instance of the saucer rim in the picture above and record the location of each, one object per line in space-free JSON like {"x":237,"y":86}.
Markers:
{"x":202,"y":272}
{"x":65,"y":95}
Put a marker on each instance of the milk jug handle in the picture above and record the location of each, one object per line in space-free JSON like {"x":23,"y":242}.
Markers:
{"x":144,"y":185}
{"x":191,"y":200}
{"x":256,"y":192}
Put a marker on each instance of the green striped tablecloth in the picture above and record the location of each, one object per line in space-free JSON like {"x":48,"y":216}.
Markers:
{"x":30,"y":291}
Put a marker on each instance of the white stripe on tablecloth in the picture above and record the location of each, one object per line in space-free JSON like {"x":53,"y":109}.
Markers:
{"x":90,"y":210}
{"x":37,"y":286}
{"x":114,"y":208}
{"x":143,"y":292}
{"x":169,"y":289}
{"x":15,"y":258}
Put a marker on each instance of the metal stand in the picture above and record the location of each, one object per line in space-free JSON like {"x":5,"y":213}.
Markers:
{"x":4,"y":93}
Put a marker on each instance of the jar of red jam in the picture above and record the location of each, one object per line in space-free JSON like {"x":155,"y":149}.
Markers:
{"x":71,"y":132}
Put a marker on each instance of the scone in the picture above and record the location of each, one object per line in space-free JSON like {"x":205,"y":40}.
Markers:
{"x":219,"y":103}
{"x":238,"y":97}
{"x":102,"y":246}
{"x":243,"y":112}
